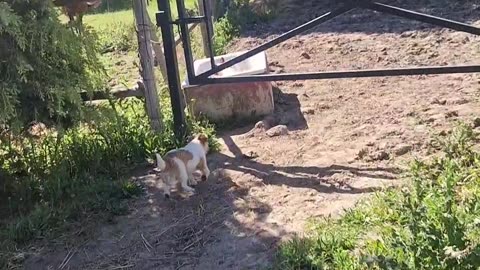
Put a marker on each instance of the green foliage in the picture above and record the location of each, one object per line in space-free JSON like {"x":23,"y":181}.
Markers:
{"x":225,"y":32}
{"x":239,"y":15}
{"x":117,"y":36}
{"x":70,"y":175}
{"x":431,"y":224}
{"x":43,"y":65}
{"x":114,"y":5}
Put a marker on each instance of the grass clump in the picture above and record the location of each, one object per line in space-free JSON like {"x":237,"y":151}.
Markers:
{"x":432,"y":223}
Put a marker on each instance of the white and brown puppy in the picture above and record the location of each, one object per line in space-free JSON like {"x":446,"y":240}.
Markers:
{"x":178,"y":166}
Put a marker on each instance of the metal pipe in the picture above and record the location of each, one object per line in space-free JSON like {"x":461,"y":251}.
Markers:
{"x":208,"y":22}
{"x":454,"y":25}
{"x":185,"y":36}
{"x":302,"y":28}
{"x":164,"y":19}
{"x":342,"y":74}
{"x":189,"y":20}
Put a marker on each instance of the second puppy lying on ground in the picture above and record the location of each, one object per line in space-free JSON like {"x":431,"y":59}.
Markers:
{"x":178,"y":166}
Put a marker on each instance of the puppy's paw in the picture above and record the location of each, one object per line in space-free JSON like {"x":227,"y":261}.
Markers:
{"x":188,"y":189}
{"x":192,"y":182}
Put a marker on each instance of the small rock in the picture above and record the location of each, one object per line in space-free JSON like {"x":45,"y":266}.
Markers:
{"x":402,"y":149}
{"x":277,"y":131}
{"x":476,"y":122}
{"x":262,"y":125}
{"x":306,"y":55}
{"x":438,"y":101}
{"x":297,"y":84}
{"x":457,"y":101}
{"x":451,"y":114}
{"x":380,"y":155}
{"x":308,"y":110}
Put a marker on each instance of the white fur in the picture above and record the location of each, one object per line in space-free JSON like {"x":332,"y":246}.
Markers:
{"x":185,"y":170}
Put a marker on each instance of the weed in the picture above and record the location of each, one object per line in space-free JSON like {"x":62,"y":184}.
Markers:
{"x":432,"y":223}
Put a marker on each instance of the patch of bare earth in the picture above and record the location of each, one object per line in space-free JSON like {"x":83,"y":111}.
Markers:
{"x":344,"y":140}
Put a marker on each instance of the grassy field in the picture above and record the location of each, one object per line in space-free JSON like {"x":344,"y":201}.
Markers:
{"x":102,"y":20}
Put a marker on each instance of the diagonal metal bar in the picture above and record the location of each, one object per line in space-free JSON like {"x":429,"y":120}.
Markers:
{"x":454,"y":25}
{"x":208,"y":22}
{"x":302,"y":28}
{"x":431,"y":70}
{"x":185,"y":36}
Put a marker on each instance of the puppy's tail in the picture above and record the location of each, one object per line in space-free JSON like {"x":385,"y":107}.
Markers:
{"x":160,"y":162}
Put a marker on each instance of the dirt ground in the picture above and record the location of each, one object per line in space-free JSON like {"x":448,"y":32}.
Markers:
{"x":346,"y":139}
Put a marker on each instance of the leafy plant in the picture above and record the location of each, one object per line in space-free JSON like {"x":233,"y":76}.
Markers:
{"x":43,"y":65}
{"x":430,"y":224}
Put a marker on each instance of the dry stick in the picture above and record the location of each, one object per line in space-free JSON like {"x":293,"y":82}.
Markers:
{"x":182,"y":265}
{"x":197,"y":234}
{"x":121,"y":266}
{"x":172,"y":225}
{"x":146,"y":243}
{"x":67,"y":259}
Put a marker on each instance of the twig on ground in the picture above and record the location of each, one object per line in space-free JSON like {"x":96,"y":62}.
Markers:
{"x":67,"y":259}
{"x":169,"y":227}
{"x":146,"y":243}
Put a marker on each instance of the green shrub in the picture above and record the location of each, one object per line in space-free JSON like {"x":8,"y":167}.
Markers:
{"x":65,"y":175}
{"x":239,"y":15}
{"x":117,"y":36}
{"x":431,"y":224}
{"x":43,"y":65}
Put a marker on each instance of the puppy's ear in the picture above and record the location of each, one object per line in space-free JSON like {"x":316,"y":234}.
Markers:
{"x":202,"y":138}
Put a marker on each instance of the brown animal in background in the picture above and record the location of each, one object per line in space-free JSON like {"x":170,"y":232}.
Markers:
{"x":76,"y":7}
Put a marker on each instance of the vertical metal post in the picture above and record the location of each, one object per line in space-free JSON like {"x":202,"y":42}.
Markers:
{"x":164,"y":21}
{"x":185,"y":36}
{"x":209,"y":24}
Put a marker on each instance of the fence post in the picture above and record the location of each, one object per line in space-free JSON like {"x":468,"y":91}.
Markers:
{"x":203,"y":29}
{"x":164,"y":21}
{"x":146,"y":60}
{"x":157,"y":48}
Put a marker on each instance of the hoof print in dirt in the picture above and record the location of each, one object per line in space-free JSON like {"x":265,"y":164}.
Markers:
{"x":277,"y":131}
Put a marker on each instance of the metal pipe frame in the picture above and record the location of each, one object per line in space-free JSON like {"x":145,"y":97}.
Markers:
{"x":345,"y":74}
{"x":185,"y":37}
{"x":164,"y":21}
{"x":345,"y":7}
{"x":208,"y":21}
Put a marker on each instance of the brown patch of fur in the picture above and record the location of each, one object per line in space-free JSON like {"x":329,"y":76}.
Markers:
{"x":181,"y":154}
{"x":203,"y":139}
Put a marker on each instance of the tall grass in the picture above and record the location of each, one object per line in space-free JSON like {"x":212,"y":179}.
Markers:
{"x":433,"y":223}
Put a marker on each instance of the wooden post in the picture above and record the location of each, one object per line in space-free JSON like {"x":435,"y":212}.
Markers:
{"x":146,"y":60}
{"x":157,"y":48}
{"x":203,"y":29}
